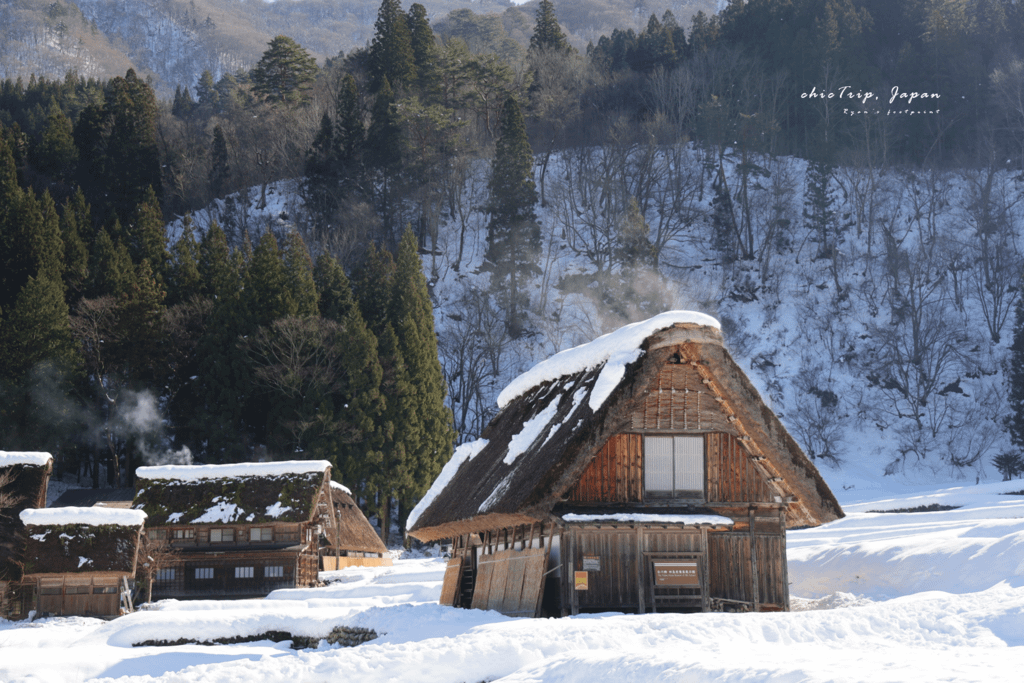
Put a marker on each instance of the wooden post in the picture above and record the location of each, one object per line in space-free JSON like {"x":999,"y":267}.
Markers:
{"x":641,"y":571}
{"x":572,"y":572}
{"x":785,"y":560}
{"x":705,"y":574}
{"x":753,"y":564}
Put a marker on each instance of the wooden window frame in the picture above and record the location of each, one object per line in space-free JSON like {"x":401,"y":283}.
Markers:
{"x":275,"y":571}
{"x":201,"y":573}
{"x":220,"y":531}
{"x":243,"y":573}
{"x":263,"y":532}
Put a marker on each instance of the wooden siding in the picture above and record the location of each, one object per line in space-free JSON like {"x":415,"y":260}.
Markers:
{"x":679,"y":401}
{"x":614,"y":475}
{"x":732,"y":476}
{"x":510,"y":582}
{"x":732,"y":567}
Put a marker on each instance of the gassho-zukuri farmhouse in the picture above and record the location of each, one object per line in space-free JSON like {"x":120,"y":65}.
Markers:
{"x":641,"y":472}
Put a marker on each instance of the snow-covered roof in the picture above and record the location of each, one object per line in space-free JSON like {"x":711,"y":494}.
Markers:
{"x":93,"y":516}
{"x":614,"y":350}
{"x":36,"y":459}
{"x":647,"y":518}
{"x":244,"y":493}
{"x":463,"y":453}
{"x":555,"y":419}
{"x":234,"y":470}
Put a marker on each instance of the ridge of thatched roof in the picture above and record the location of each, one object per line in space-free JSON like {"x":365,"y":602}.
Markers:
{"x":83,"y":498}
{"x":538,"y":445}
{"x":355,"y":531}
{"x":81,"y":540}
{"x":251,"y":493}
{"x":27,"y":475}
{"x":84,"y":516}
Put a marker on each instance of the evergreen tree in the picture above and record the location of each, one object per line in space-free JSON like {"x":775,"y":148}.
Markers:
{"x":110,"y":267}
{"x":267,"y":291}
{"x":513,"y":233}
{"x":424,"y":50}
{"x":147,"y":238}
{"x":391,"y":56}
{"x":332,"y":285}
{"x":220,"y":171}
{"x":140,"y":328}
{"x":131,"y":158}
{"x":183,"y":105}
{"x":426,"y":423}
{"x":320,"y":182}
{"x":206,"y":92}
{"x":384,"y":146}
{"x":36,"y":330}
{"x":372,"y":286}
{"x":56,"y":154}
{"x":299,"y":271}
{"x":184,"y":281}
{"x":285,"y":72}
{"x":76,"y":253}
{"x":399,"y":429}
{"x":349,"y":131}
{"x":216,"y":269}
{"x":547,"y":34}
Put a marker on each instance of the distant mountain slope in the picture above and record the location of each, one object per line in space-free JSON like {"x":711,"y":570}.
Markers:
{"x":174,"y":41}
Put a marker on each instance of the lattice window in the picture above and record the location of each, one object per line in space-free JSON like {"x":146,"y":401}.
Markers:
{"x":243,"y":572}
{"x":674,"y":466}
{"x":204,"y":573}
{"x":274,"y":572}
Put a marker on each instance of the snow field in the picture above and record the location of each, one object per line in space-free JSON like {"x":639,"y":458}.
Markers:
{"x":934,"y":596}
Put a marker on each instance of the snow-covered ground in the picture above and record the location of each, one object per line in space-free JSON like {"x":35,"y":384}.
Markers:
{"x":878,"y":596}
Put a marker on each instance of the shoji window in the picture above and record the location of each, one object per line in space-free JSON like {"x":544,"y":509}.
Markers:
{"x":674,"y":466}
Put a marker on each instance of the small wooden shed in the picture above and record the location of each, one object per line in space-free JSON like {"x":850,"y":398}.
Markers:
{"x":80,"y":561}
{"x":641,"y":472}
{"x":238,"y":530}
{"x":354,"y":542}
{"x":24,"y":477}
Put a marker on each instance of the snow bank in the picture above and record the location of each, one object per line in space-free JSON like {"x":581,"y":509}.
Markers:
{"x":716,"y":520}
{"x":93,"y":516}
{"x":531,"y":431}
{"x":341,"y":487}
{"x":38,"y":459}
{"x":245,"y":469}
{"x":616,"y":350}
{"x":463,"y":453}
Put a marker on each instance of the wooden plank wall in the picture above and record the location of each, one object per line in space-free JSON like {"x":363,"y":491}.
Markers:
{"x":615,"y":585}
{"x":731,"y":568}
{"x":450,"y":585}
{"x":332,"y":563}
{"x":510,"y":582}
{"x":614,"y":475}
{"x":731,"y":476}
{"x":679,"y":401}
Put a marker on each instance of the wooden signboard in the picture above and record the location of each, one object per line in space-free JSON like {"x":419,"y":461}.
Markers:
{"x":676,"y":573}
{"x":581,"y":583}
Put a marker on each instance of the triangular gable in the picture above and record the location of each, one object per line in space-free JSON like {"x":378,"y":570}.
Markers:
{"x":539,"y":446}
{"x":27,"y":476}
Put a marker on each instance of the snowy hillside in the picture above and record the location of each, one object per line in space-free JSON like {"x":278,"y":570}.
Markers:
{"x":932,"y":596}
{"x":878,"y":333}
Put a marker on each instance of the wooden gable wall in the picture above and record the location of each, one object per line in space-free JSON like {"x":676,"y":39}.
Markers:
{"x":615,"y":475}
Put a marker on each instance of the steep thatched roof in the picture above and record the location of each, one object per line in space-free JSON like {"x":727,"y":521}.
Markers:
{"x":26,"y":476}
{"x":81,"y":540}
{"x":251,"y":493}
{"x":553,"y":424}
{"x":355,"y":530}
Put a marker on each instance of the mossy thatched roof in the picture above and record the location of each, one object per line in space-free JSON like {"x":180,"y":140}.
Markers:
{"x":81,"y":548}
{"x":27,"y":480}
{"x":355,"y":530}
{"x":243,"y":498}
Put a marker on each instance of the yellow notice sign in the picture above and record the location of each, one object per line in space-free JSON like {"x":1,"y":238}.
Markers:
{"x":581,"y":581}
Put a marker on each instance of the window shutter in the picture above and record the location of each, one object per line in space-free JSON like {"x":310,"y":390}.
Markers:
{"x":658,"y":463}
{"x":689,"y":463}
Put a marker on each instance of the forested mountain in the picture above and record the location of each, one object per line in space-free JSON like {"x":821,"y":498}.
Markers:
{"x":332,"y":222}
{"x":174,"y":41}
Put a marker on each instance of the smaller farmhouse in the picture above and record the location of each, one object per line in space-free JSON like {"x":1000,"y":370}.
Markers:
{"x":641,"y":472}
{"x":23,"y":481}
{"x":354,"y":541}
{"x":80,"y":561}
{"x":240,"y":530}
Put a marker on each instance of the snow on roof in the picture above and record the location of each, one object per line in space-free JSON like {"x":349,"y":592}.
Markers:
{"x":245,"y":469}
{"x":463,"y":453}
{"x":8,"y":458}
{"x":649,"y":518}
{"x":341,"y":487}
{"x":88,"y":516}
{"x":616,"y":350}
